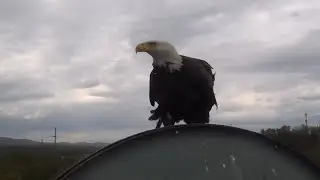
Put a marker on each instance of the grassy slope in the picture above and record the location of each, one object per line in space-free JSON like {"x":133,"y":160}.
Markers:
{"x":38,"y":162}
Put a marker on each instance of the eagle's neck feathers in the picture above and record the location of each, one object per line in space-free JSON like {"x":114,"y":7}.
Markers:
{"x":173,"y":61}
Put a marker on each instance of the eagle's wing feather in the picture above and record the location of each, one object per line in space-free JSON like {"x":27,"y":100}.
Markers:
{"x":151,"y":88}
{"x":201,"y":71}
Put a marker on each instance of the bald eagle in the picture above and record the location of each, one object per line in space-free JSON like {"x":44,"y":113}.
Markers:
{"x":181,"y":85}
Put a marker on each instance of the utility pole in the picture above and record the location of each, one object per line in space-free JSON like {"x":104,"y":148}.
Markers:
{"x":306,"y":119}
{"x":55,"y":135}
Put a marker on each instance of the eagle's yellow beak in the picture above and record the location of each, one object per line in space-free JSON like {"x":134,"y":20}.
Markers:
{"x":145,"y":47}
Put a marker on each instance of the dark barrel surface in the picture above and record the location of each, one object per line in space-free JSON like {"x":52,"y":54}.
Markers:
{"x":194,"y":152}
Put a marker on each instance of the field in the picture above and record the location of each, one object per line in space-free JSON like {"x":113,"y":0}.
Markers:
{"x":38,"y":162}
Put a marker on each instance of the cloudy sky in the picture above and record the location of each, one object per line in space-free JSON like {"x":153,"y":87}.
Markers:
{"x":71,"y":64}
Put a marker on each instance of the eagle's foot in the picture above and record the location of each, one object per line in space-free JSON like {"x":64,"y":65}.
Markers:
{"x":155,"y":115}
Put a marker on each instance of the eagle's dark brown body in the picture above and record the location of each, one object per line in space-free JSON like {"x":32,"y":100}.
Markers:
{"x":185,"y":94}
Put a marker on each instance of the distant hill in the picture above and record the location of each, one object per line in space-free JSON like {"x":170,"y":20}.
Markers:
{"x":5,"y":141}
{"x":94,"y":144}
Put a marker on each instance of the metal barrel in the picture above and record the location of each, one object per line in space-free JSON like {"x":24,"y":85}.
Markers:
{"x":190,"y":152}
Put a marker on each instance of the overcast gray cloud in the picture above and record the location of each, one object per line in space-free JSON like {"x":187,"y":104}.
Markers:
{"x":71,"y":64}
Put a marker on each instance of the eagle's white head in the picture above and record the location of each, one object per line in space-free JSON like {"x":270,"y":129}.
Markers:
{"x":163,"y":54}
